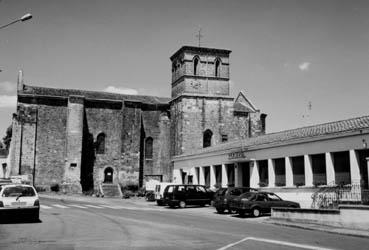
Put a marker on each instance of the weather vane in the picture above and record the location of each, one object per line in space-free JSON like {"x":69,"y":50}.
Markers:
{"x":199,"y":36}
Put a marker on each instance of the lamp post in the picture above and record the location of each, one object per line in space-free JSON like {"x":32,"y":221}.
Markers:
{"x":22,"y":19}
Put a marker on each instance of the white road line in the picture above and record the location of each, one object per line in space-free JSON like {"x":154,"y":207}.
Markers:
{"x":93,"y":206}
{"x":72,"y":205}
{"x":59,"y":206}
{"x":277,"y":242}
{"x":45,"y":207}
{"x":112,"y":207}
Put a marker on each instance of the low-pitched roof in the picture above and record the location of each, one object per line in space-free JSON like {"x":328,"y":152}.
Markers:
{"x":43,"y":91}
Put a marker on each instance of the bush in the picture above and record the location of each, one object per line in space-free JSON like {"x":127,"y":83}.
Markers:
{"x":127,"y":194}
{"x":55,"y":187}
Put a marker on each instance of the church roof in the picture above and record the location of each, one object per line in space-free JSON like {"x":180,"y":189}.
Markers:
{"x":200,"y":50}
{"x":339,"y":128}
{"x":43,"y":91}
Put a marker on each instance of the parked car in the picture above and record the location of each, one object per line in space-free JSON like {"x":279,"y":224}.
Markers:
{"x":223,"y":196}
{"x":258,"y":203}
{"x":183,"y":195}
{"x":19,"y":200}
{"x":159,"y":192}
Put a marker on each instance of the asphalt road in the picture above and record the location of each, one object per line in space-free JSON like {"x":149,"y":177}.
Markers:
{"x":80,"y":225}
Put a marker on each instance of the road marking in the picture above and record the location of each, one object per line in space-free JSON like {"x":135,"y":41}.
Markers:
{"x":277,"y":242}
{"x":77,"y":206}
{"x":45,"y":207}
{"x":59,"y":206}
{"x":93,"y":206}
{"x":112,"y":207}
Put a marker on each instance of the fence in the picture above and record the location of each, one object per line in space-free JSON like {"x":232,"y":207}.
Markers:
{"x":333,"y":195}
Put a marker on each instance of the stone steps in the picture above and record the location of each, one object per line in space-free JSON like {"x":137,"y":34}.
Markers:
{"x":111,"y":190}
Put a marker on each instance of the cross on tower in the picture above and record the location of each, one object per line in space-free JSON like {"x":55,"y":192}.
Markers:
{"x":199,"y":36}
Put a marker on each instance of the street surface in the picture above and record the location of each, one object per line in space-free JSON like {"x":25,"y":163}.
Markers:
{"x":67,"y":225}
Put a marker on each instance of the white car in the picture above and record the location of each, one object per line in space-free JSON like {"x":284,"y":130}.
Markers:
{"x":17,"y":200}
{"x":159,"y":192}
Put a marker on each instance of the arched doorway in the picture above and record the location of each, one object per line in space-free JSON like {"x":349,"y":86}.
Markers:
{"x":108,"y":175}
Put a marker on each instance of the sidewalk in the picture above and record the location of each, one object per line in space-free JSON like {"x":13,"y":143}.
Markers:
{"x":318,"y":227}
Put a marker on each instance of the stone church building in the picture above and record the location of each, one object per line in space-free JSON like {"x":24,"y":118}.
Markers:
{"x":82,"y":139}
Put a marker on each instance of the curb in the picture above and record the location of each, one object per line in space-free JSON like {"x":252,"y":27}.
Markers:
{"x":323,"y":228}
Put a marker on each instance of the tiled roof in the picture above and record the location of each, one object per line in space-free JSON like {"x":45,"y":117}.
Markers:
{"x":239,"y":107}
{"x":93,"y":95}
{"x":304,"y":133}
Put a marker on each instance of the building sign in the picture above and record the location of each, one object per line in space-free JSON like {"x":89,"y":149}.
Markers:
{"x":236,"y":155}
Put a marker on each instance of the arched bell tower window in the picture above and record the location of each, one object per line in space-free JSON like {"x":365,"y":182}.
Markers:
{"x":148,"y":148}
{"x":100,"y":143}
{"x":207,"y":138}
{"x":196,"y":65}
{"x":217,"y":68}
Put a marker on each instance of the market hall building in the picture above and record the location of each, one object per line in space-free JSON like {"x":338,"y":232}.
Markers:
{"x":291,"y":163}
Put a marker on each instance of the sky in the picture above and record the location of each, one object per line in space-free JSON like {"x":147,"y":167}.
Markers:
{"x":300,"y":62}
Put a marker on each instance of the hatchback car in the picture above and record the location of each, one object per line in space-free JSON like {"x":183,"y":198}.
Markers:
{"x":19,"y":200}
{"x":223,"y":197}
{"x":183,"y":195}
{"x":258,"y":203}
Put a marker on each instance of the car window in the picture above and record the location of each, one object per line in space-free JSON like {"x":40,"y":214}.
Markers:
{"x":249,"y":196}
{"x":200,"y":189}
{"x":261,"y":197}
{"x":18,"y":191}
{"x":181,"y":188}
{"x":170,"y":189}
{"x":273,"y":197}
{"x":235,"y":192}
{"x":191,"y":189}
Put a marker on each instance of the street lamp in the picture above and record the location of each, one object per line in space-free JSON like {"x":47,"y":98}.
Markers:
{"x":22,"y":19}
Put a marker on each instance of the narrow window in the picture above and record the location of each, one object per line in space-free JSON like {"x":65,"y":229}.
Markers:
{"x":224,"y":138}
{"x":207,"y":138}
{"x":217,"y":67}
{"x":195,"y":65}
{"x":148,"y":148}
{"x":100,"y":143}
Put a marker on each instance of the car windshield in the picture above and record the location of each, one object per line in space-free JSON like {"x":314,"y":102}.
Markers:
{"x":18,"y":191}
{"x":273,"y":197}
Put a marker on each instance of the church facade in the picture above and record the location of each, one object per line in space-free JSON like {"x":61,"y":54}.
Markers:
{"x":81,"y":139}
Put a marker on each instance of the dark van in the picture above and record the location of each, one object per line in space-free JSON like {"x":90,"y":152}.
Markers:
{"x":183,"y":195}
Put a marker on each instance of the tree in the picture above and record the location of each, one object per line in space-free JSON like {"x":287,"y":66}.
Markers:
{"x":8,"y":137}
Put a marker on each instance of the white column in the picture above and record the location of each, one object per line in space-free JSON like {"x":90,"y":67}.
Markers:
{"x":367,"y":165}
{"x":271,"y":173}
{"x":224,"y":176}
{"x":212,"y":176}
{"x":255,"y":178}
{"x":330,"y":173}
{"x":177,"y":178}
{"x":289,"y":173}
{"x":202,"y":176}
{"x":354,"y":167}
{"x":308,"y":171}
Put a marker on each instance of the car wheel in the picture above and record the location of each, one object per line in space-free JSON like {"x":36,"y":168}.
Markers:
{"x":159,"y":203}
{"x":182,"y":204}
{"x":256,"y":212}
{"x":220,"y":210}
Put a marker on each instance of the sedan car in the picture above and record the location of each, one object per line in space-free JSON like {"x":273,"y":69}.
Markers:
{"x":223,"y":197}
{"x":258,"y":203}
{"x":19,"y":200}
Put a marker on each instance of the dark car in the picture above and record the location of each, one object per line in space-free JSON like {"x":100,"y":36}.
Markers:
{"x":258,"y":203}
{"x":183,"y":195}
{"x":224,"y":195}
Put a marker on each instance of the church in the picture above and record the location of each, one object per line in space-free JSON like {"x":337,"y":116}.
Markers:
{"x":83,"y":140}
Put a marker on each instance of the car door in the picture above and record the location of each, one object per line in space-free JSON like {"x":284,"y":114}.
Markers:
{"x":191,"y":195}
{"x":202,"y":195}
{"x":261,"y":200}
